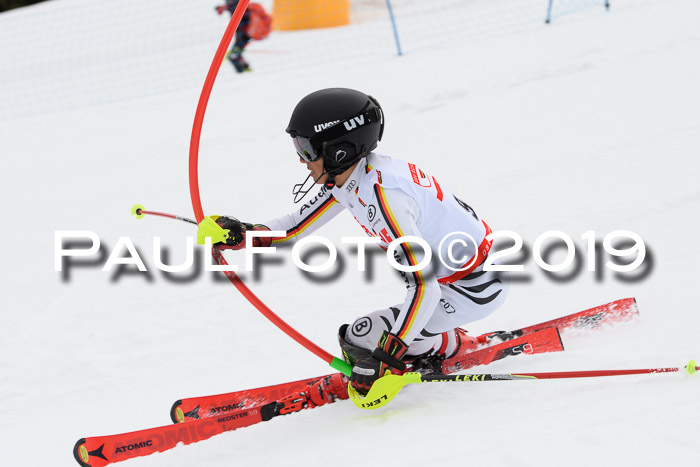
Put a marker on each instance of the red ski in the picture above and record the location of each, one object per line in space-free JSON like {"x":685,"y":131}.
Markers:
{"x":542,"y":341}
{"x":601,"y":316}
{"x":104,"y":450}
{"x":99,"y":451}
{"x":211,"y":406}
{"x":199,"y":418}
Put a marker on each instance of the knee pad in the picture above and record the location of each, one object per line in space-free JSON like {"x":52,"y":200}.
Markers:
{"x":366,"y":331}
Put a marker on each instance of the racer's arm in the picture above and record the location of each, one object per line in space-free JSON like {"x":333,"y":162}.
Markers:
{"x":300,"y":223}
{"x":308,"y":218}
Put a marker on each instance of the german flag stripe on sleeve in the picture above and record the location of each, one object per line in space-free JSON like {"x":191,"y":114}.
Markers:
{"x":412,"y":261}
{"x":320,"y":210}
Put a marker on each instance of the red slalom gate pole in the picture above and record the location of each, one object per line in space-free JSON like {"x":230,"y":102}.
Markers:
{"x":202,"y":106}
{"x":334,"y":362}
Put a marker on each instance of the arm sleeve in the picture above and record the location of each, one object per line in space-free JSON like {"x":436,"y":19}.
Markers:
{"x":399,"y":216}
{"x":308,"y":218}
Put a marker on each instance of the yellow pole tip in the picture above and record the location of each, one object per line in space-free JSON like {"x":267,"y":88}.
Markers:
{"x":136,"y":210}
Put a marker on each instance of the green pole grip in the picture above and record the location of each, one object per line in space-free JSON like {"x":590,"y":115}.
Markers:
{"x":341,"y":365}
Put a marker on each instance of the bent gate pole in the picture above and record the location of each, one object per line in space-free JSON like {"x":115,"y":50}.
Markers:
{"x":334,"y":362}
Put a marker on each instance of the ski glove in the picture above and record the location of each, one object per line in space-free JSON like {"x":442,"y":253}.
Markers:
{"x":237,"y":230}
{"x":386,"y":357}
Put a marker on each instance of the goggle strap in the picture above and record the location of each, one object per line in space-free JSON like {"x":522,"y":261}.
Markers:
{"x":372,"y":115}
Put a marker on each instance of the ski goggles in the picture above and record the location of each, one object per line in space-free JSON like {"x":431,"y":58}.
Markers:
{"x":305,"y":149}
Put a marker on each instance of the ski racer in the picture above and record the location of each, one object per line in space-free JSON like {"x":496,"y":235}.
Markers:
{"x":255,"y":25}
{"x":335,"y":132}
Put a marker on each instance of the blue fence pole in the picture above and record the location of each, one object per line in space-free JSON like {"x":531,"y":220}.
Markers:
{"x":393,"y":25}
{"x":549,"y":12}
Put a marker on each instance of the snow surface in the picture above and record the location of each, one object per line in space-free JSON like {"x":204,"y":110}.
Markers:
{"x":590,"y":123}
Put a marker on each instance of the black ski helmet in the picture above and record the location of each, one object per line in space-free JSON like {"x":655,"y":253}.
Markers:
{"x":337,"y":124}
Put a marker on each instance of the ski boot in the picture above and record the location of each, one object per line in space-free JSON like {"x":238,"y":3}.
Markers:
{"x":496,"y":337}
{"x":352,"y":354}
{"x":454,"y":342}
{"x":236,"y":58}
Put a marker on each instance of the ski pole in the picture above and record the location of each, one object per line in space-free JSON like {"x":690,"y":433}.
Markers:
{"x":385,"y":388}
{"x":139,"y":211}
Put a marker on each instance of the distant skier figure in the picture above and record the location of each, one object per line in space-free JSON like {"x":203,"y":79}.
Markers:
{"x":334,"y":132}
{"x":255,"y":25}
